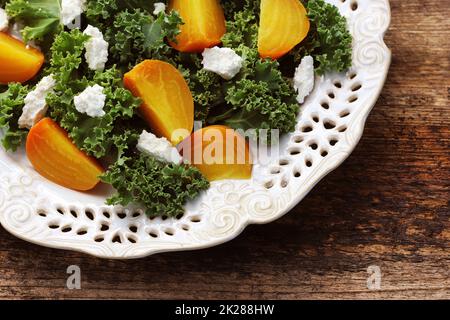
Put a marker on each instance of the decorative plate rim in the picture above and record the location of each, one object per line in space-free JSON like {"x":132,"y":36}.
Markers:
{"x":227,"y":208}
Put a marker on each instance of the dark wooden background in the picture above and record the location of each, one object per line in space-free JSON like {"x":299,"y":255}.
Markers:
{"x":388,"y":205}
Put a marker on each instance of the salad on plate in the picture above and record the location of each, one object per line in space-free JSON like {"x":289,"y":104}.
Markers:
{"x":154,"y":98}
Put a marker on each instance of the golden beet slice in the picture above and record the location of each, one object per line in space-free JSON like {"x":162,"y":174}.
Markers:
{"x":168,"y":106}
{"x":204,"y":24}
{"x":55,"y":157}
{"x":18,"y":62}
{"x":219,"y":152}
{"x":283,"y":25}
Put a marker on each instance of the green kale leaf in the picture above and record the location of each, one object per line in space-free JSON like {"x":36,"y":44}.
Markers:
{"x":40,"y":17}
{"x":126,"y":37}
{"x":11,"y":105}
{"x":206,"y":87}
{"x":262,"y":104}
{"x":99,"y":12}
{"x":96,"y":136}
{"x":166,"y":27}
{"x":207,"y":92}
{"x":162,"y":188}
{"x":134,"y":34}
{"x":329,"y":41}
{"x":259,"y":97}
{"x":66,"y":56}
{"x":242,"y":26}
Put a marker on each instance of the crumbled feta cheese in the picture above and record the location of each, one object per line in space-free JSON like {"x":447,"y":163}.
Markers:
{"x":35,"y":104}
{"x":71,"y":9}
{"x":159,"y":7}
{"x":91,"y":101}
{"x":96,"y":49}
{"x":4,"y":20}
{"x":223,"y":61}
{"x":304,"y":78}
{"x":160,"y":148}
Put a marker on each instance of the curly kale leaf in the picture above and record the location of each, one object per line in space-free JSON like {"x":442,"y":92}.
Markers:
{"x":259,"y":97}
{"x":11,"y":104}
{"x":66,"y":56}
{"x":136,"y":34}
{"x":329,"y":41}
{"x":162,"y":188}
{"x":147,"y":5}
{"x":126,"y":37}
{"x":99,"y":12}
{"x":40,"y":17}
{"x":164,"y":27}
{"x":229,"y":8}
{"x":262,"y":104}
{"x":207,"y":92}
{"x":96,"y":136}
{"x":242,"y":27}
{"x":206,"y":87}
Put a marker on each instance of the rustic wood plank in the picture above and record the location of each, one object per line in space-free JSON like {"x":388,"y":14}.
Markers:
{"x":388,"y":205}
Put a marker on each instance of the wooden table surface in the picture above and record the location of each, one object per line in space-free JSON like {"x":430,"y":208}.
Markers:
{"x":387,"y":206}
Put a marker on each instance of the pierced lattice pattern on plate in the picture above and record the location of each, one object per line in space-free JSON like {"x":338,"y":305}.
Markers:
{"x":329,"y":126}
{"x":323,"y":123}
{"x":113,"y":225}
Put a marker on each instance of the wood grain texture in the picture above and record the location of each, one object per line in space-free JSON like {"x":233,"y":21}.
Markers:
{"x":388,"y":205}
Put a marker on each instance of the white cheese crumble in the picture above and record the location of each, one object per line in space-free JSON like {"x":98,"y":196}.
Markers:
{"x":223,"y":61}
{"x":4,"y":20}
{"x":159,"y":7}
{"x":35,"y":104}
{"x":96,"y":49}
{"x":304,"y":78}
{"x":91,"y":101}
{"x":160,"y":148}
{"x":71,"y":9}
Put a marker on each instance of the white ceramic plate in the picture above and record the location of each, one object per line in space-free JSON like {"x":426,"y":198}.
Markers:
{"x":329,"y":127}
